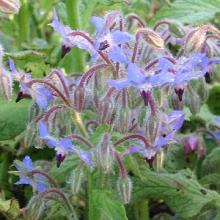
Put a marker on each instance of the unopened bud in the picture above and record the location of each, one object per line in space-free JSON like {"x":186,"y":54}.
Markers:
{"x":153,"y":125}
{"x":124,"y":187}
{"x":195,"y":40}
{"x":190,"y":144}
{"x":30,"y":135}
{"x":106,"y":110}
{"x":105,"y":153}
{"x":79,"y":98}
{"x":201,"y":151}
{"x":76,"y":179}
{"x":9,"y":6}
{"x":176,"y":103}
{"x":122,"y":120}
{"x":193,"y":101}
{"x":6,"y":84}
{"x":152,"y":38}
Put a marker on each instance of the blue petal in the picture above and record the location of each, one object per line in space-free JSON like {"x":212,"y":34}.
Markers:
{"x":98,"y":23}
{"x":42,"y":127}
{"x":85,"y":157}
{"x":41,"y":186}
{"x":162,"y":79}
{"x":119,"y":84}
{"x":27,"y":162}
{"x":66,"y":143}
{"x":24,"y":180}
{"x":137,"y":149}
{"x":134,"y":74}
{"x":43,"y":96}
{"x":117,"y":55}
{"x":176,"y":119}
{"x":120,"y":37}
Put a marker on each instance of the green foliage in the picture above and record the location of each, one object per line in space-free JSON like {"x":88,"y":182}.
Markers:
{"x":13,"y":118}
{"x":213,"y":100}
{"x":177,"y":160}
{"x":9,"y":208}
{"x":181,"y":192}
{"x":188,"y":11}
{"x":105,"y":206}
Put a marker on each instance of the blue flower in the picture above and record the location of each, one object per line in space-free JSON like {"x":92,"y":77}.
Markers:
{"x":170,"y":124}
{"x":134,"y":78}
{"x":39,"y":93}
{"x":26,"y":166}
{"x":68,"y":39}
{"x":63,"y":146}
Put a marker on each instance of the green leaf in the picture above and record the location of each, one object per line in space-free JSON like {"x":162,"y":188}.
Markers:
{"x":181,"y":192}
{"x":211,"y":162}
{"x":176,"y":159}
{"x":13,"y":118}
{"x":10,"y":208}
{"x":189,"y":11}
{"x":62,"y":173}
{"x":105,"y":206}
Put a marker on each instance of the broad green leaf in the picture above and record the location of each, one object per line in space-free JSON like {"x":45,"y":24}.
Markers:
{"x":177,"y":160}
{"x":13,"y":118}
{"x":189,"y":11}
{"x":211,"y":163}
{"x":105,"y":206}
{"x":181,"y":192}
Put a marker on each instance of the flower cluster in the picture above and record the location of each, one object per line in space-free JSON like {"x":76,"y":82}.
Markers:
{"x":136,"y":86}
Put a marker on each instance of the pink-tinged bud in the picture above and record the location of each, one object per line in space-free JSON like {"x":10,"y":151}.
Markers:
{"x":201,"y":151}
{"x":105,"y":153}
{"x":79,"y":98}
{"x":9,"y":6}
{"x":191,"y":144}
{"x":76,"y":179}
{"x":195,"y":40}
{"x":6,"y":84}
{"x":124,"y":187}
{"x":152,"y":38}
{"x":106,"y":110}
{"x":112,"y":18}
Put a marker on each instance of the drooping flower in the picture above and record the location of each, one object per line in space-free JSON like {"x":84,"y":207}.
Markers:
{"x":63,"y":146}
{"x":169,"y":126}
{"x":25,"y":167}
{"x":41,"y":94}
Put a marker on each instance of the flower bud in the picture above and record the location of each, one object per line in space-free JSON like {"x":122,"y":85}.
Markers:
{"x":6,"y":84}
{"x":190,"y":144}
{"x":79,"y":98}
{"x":195,"y":40}
{"x":122,"y":120}
{"x":176,"y":103}
{"x":152,"y":125}
{"x":30,"y":135}
{"x":193,"y":101}
{"x":152,"y":38}
{"x":76,"y":179}
{"x":105,"y":153}
{"x":201,"y":151}
{"x":9,"y":6}
{"x":106,"y":110}
{"x":124,"y":187}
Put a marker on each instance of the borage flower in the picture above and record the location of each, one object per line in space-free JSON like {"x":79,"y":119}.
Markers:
{"x":41,"y":94}
{"x":168,"y":129}
{"x":37,"y":181}
{"x":63,"y":146}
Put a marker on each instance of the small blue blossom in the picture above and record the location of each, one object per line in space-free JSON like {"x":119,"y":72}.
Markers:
{"x":134,"y":78}
{"x":38,"y":181}
{"x":63,"y":146}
